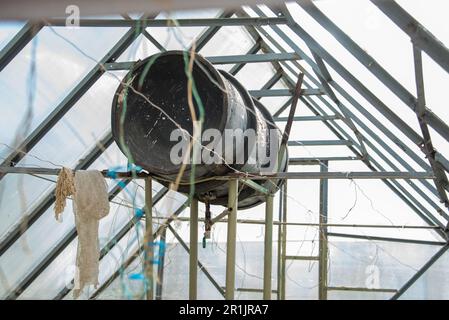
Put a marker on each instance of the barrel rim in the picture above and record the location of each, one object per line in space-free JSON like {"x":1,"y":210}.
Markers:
{"x":115,"y":125}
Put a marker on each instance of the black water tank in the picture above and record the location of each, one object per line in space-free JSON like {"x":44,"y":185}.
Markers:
{"x":143,"y":132}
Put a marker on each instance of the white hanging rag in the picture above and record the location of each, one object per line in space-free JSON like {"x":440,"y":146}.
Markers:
{"x":90,"y":204}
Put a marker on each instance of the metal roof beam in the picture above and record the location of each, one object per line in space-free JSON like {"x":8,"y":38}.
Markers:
{"x":18,"y":42}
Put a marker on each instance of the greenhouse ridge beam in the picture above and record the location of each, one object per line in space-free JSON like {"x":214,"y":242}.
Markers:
{"x":212,"y":22}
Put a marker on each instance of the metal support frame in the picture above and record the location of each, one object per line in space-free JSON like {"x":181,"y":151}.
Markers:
{"x":268,"y":247}
{"x":161,"y":265}
{"x":231,"y":239}
{"x":148,"y":241}
{"x":422,"y":39}
{"x":18,"y":42}
{"x":402,"y":193}
{"x":440,"y":180}
{"x":323,"y":246}
{"x":193,"y":256}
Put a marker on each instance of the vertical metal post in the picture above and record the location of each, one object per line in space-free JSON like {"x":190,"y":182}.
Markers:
{"x":323,"y":248}
{"x":160,"y":265}
{"x":193,"y":261}
{"x":284,"y":238}
{"x":231,"y":239}
{"x":279,"y":250}
{"x":268,"y":247}
{"x":148,"y":239}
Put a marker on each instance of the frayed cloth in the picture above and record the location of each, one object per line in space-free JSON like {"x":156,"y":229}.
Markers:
{"x":65,"y":187}
{"x":90,"y":204}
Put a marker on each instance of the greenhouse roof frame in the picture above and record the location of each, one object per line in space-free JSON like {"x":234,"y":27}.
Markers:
{"x":320,"y":89}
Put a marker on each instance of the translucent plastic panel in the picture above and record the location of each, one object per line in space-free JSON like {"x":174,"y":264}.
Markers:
{"x":433,"y":284}
{"x":33,"y":246}
{"x":301,"y":280}
{"x":381,"y":265}
{"x":8,"y":30}
{"x":17,"y":193}
{"x":255,"y":75}
{"x":228,"y":41}
{"x":56,"y":73}
{"x":372,"y":202}
{"x":140,"y":49}
{"x":368,"y":27}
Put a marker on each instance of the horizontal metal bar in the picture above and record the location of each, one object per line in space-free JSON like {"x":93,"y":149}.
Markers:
{"x":303,"y":258}
{"x":219,"y":219}
{"x":320,"y":143}
{"x":231,"y":59}
{"x":316,"y":161}
{"x":280,"y":175}
{"x":361,"y":289}
{"x":308,"y":118}
{"x":171,"y":22}
{"x":255,"y":290}
{"x":253,"y":58}
{"x":412,"y":241}
{"x":284,"y":92}
{"x":255,"y":186}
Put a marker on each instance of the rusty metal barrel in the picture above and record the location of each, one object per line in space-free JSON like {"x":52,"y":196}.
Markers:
{"x":153,"y":103}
